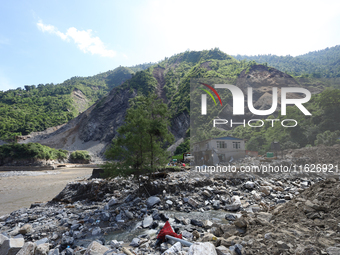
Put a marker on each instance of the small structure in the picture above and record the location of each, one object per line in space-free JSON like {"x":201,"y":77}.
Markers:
{"x":216,"y":150}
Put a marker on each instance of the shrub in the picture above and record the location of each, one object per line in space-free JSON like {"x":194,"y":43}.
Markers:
{"x":30,"y":151}
{"x":80,"y":157}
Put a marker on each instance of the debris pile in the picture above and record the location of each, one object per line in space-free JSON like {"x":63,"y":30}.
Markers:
{"x":226,"y":213}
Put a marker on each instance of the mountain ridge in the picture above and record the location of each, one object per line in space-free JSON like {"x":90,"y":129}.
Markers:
{"x":323,"y":63}
{"x":95,"y":127}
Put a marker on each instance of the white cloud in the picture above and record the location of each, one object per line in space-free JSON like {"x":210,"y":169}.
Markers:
{"x":83,"y":39}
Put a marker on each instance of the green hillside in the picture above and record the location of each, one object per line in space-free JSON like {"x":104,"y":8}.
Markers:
{"x":35,"y":108}
{"x":318,"y":64}
{"x":179,"y":69}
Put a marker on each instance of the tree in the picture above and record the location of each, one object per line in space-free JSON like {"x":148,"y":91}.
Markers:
{"x":139,"y":147}
{"x":327,"y":138}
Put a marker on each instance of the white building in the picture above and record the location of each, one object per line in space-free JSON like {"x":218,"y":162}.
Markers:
{"x":216,"y":150}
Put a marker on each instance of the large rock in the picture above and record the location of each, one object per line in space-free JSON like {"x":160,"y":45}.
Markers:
{"x":55,"y":252}
{"x":174,"y":250}
{"x":11,"y":246}
{"x":202,"y":249}
{"x":112,"y":201}
{"x":241,"y":223}
{"x":235,"y":204}
{"x":249,"y":185}
{"x":265,"y":190}
{"x":193,"y":202}
{"x":66,"y":240}
{"x":333,"y":250}
{"x":25,"y":229}
{"x":222,"y":250}
{"x":147,"y":221}
{"x":135,"y":242}
{"x":96,"y":231}
{"x":208,"y":237}
{"x":128,"y":214}
{"x":42,"y":249}
{"x":2,"y":239}
{"x":27,"y":249}
{"x":95,"y":248}
{"x":152,"y":201}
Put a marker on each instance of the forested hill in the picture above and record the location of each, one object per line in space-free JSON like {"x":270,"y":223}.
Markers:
{"x":319,"y":64}
{"x":169,"y":79}
{"x":37,"y":107}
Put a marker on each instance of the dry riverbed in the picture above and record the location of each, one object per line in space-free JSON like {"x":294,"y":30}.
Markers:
{"x":21,"y":189}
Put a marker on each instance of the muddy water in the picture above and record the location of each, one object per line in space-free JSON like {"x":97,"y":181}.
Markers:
{"x":18,"y":191}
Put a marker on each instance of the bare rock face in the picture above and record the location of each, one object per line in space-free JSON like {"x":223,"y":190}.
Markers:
{"x":180,"y":124}
{"x":92,"y":130}
{"x":81,"y":103}
{"x":261,"y":76}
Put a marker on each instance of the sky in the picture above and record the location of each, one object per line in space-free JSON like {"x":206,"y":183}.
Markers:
{"x":51,"y":41}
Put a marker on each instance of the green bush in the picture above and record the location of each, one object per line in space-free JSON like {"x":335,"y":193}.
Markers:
{"x":30,"y":150}
{"x":80,"y":157}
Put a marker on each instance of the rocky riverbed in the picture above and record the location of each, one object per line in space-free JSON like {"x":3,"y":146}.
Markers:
{"x":235,"y":213}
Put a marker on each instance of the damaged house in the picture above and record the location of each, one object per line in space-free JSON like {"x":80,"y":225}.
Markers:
{"x":216,"y":150}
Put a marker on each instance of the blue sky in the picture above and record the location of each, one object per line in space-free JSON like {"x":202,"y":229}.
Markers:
{"x":51,"y":41}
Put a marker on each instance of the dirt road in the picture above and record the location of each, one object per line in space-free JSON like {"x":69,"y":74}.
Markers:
{"x":21,"y":191}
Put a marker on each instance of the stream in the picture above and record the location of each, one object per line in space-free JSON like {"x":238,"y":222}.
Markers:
{"x":136,"y":229}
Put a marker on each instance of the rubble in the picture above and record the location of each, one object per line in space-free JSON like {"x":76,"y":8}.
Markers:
{"x":237,"y":213}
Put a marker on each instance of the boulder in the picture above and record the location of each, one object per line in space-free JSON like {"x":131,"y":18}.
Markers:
{"x":207,"y":224}
{"x":95,"y":248}
{"x":152,"y":201}
{"x":128,"y":214}
{"x":235,"y":204}
{"x":333,"y":250}
{"x":135,"y":242}
{"x":241,"y":222}
{"x":54,"y":252}
{"x":12,"y":246}
{"x":196,"y":223}
{"x":27,"y":249}
{"x":25,"y":229}
{"x":222,"y":250}
{"x":249,"y":185}
{"x":208,"y":237}
{"x":96,"y":231}
{"x":112,"y":201}
{"x":202,"y":249}
{"x":193,"y":202}
{"x":174,"y":250}
{"x":42,"y":249}
{"x":230,"y":217}
{"x":147,"y":221}
{"x":265,"y":190}
{"x":2,"y":239}
{"x":41,"y":241}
